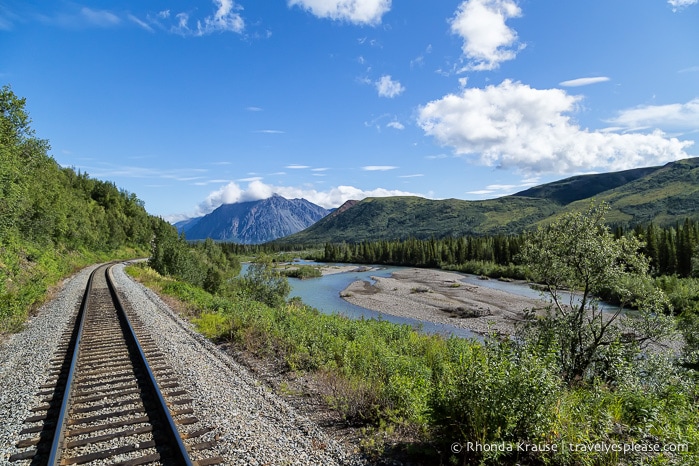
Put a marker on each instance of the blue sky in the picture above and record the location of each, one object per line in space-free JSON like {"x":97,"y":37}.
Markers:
{"x":190,"y":104}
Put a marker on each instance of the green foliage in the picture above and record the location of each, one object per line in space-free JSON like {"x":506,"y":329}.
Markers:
{"x":52,"y":219}
{"x":204,"y":264}
{"x":172,"y":256}
{"x":497,"y":392}
{"x":265,"y":283}
{"x":578,"y":253}
{"x":302,"y":272}
{"x":213,"y":326}
{"x":672,"y":250}
{"x":491,"y":269}
{"x":683,"y":293}
{"x":387,"y":376}
{"x":20,"y":153}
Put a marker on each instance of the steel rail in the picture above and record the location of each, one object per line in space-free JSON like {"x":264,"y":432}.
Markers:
{"x":179,"y":451}
{"x":56,"y":444}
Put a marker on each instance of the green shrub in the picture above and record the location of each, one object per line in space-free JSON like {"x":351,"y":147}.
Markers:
{"x":497,"y":392}
{"x":303,"y":272}
{"x":490,"y":269}
{"x":212,"y":325}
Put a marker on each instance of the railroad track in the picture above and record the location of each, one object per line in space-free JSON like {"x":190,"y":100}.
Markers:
{"x":110,"y":398}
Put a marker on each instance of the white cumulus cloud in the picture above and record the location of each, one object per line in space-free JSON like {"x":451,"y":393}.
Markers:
{"x":387,"y":87}
{"x":513,"y":125}
{"x":679,"y":4}
{"x":354,"y":11}
{"x":488,"y":41}
{"x":336,"y":196}
{"x":232,"y":193}
{"x":226,"y":18}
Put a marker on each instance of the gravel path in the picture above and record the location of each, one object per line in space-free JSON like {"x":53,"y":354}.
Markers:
{"x":252,"y":425}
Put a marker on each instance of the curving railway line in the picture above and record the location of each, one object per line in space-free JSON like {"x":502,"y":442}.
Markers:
{"x":110,"y":398}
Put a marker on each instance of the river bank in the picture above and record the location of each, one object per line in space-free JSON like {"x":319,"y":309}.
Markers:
{"x":441,"y":297}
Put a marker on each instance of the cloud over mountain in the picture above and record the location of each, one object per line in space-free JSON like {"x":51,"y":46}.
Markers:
{"x":257,"y":190}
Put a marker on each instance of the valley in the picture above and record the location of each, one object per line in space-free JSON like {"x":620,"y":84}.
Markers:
{"x":568,"y":376}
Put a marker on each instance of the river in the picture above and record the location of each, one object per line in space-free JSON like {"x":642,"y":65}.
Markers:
{"x":323,"y":293}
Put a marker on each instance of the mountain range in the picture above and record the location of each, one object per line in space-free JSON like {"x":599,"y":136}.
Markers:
{"x":664,"y":195}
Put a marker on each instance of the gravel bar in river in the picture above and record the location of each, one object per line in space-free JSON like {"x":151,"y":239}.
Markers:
{"x":441,"y":297}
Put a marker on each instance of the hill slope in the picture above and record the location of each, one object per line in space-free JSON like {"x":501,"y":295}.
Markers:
{"x":585,"y":186}
{"x":664,"y":195}
{"x":405,"y":217}
{"x":255,"y":222}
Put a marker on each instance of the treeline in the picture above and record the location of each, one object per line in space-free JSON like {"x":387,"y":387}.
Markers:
{"x":427,"y":253}
{"x":672,"y":250}
{"x":54,"y":219}
{"x":275,"y":247}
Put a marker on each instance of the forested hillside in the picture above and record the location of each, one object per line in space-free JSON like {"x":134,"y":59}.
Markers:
{"x":403,"y":217}
{"x":664,"y":196}
{"x":54,"y":219}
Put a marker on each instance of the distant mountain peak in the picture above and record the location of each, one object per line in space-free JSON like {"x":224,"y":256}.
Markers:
{"x":254,"y":222}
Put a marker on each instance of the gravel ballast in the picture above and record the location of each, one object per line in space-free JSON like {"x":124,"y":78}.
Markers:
{"x":25,"y":357}
{"x":252,"y":425}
